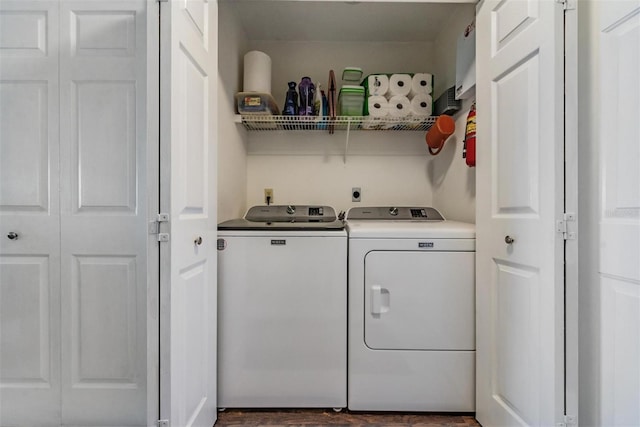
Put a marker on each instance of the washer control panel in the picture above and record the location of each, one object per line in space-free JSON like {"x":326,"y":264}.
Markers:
{"x":394,"y":213}
{"x":291,"y":213}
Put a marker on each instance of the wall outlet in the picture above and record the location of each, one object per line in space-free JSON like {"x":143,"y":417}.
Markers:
{"x":356,"y":194}
{"x":268,"y":196}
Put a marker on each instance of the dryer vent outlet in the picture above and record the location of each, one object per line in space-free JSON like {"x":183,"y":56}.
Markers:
{"x":356,"y":194}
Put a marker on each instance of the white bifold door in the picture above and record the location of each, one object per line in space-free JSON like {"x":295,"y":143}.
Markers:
{"x":78,"y":325}
{"x":188,"y":115}
{"x":520,"y":199}
{"x":619,"y":220}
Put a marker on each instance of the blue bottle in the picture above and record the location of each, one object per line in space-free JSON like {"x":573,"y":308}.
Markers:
{"x":325,"y":111}
{"x":291,"y":101}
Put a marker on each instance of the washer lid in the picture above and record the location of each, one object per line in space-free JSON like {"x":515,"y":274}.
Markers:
{"x":286,"y":217}
{"x":395,"y":213}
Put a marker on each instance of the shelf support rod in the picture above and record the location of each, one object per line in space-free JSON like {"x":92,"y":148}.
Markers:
{"x":346,"y":143}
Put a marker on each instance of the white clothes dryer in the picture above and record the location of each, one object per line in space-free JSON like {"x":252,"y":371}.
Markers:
{"x":282,"y":309}
{"x":411,"y":311}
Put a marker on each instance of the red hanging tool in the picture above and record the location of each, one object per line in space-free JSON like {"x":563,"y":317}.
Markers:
{"x":469,"y":148}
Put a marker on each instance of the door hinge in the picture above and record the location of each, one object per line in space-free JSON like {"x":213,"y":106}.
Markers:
{"x":567,"y":4}
{"x":154,"y":227}
{"x":163,"y":423}
{"x":568,"y":232}
{"x":568,"y":420}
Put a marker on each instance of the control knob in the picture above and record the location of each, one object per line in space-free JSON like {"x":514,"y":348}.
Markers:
{"x":291,"y":209}
{"x":393,"y":211}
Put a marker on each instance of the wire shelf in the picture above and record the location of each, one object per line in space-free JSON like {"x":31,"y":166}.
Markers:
{"x":303,"y":123}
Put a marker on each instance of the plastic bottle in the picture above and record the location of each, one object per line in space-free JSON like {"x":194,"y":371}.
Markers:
{"x":325,"y":110}
{"x":291,"y":101}
{"x":306,"y":89}
{"x":325,"y":104}
{"x":317,"y":102}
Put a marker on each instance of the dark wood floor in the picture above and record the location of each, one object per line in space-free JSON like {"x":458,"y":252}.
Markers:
{"x":323,"y":417}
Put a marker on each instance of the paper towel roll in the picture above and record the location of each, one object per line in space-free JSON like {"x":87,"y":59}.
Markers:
{"x":421,"y":83}
{"x":257,"y":72}
{"x":378,"y":84}
{"x":378,"y":106}
{"x":399,"y":106}
{"x":399,"y":84}
{"x":421,"y":105}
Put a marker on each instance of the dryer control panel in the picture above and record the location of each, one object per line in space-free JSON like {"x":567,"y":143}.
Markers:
{"x":394,"y":213}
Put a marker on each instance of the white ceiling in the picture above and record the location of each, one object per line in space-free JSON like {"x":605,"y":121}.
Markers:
{"x":343,"y":21}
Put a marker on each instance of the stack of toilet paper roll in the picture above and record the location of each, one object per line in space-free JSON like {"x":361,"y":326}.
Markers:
{"x":400,"y":95}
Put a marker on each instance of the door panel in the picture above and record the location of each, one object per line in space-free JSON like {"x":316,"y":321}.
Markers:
{"x":25,"y":30}
{"x":516,"y":300}
{"x":520,"y":192}
{"x":26,"y":163}
{"x":25,"y":313}
{"x":515,"y":146}
{"x":104,"y":147}
{"x":29,"y":206}
{"x":188,"y":159}
{"x":103,"y":192}
{"x":104,"y":299}
{"x":619,"y":61}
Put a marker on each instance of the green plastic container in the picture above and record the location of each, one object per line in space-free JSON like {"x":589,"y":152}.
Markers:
{"x":352,"y":74}
{"x":351,"y":100}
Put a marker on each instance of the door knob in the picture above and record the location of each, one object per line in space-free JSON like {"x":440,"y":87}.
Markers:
{"x":508,"y":240}
{"x":12,"y":235}
{"x":198,"y":241}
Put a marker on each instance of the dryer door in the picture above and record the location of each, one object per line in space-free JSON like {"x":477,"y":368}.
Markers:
{"x":419,"y":300}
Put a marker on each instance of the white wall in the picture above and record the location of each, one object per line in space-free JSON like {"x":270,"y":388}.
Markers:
{"x":308,"y":168}
{"x":232,"y":151}
{"x":453,"y":182}
{"x":384,"y":180}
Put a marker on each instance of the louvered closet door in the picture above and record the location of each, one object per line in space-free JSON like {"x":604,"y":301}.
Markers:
{"x":29,"y":207}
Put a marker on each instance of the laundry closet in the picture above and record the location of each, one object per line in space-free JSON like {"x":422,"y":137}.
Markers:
{"x":202,"y":145}
{"x":520,"y":209}
{"x":315,"y":167}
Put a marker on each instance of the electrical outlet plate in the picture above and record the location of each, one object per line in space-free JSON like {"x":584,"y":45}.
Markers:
{"x":268,"y":195}
{"x":356,"y":194}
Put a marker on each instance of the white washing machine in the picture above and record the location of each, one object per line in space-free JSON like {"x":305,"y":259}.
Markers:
{"x":282,"y":309}
{"x":411,"y":311}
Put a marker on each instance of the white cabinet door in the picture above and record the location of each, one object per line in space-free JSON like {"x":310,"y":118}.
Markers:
{"x":188,"y":139}
{"x":619,"y":61}
{"x":29,"y":207}
{"x":520,"y":192}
